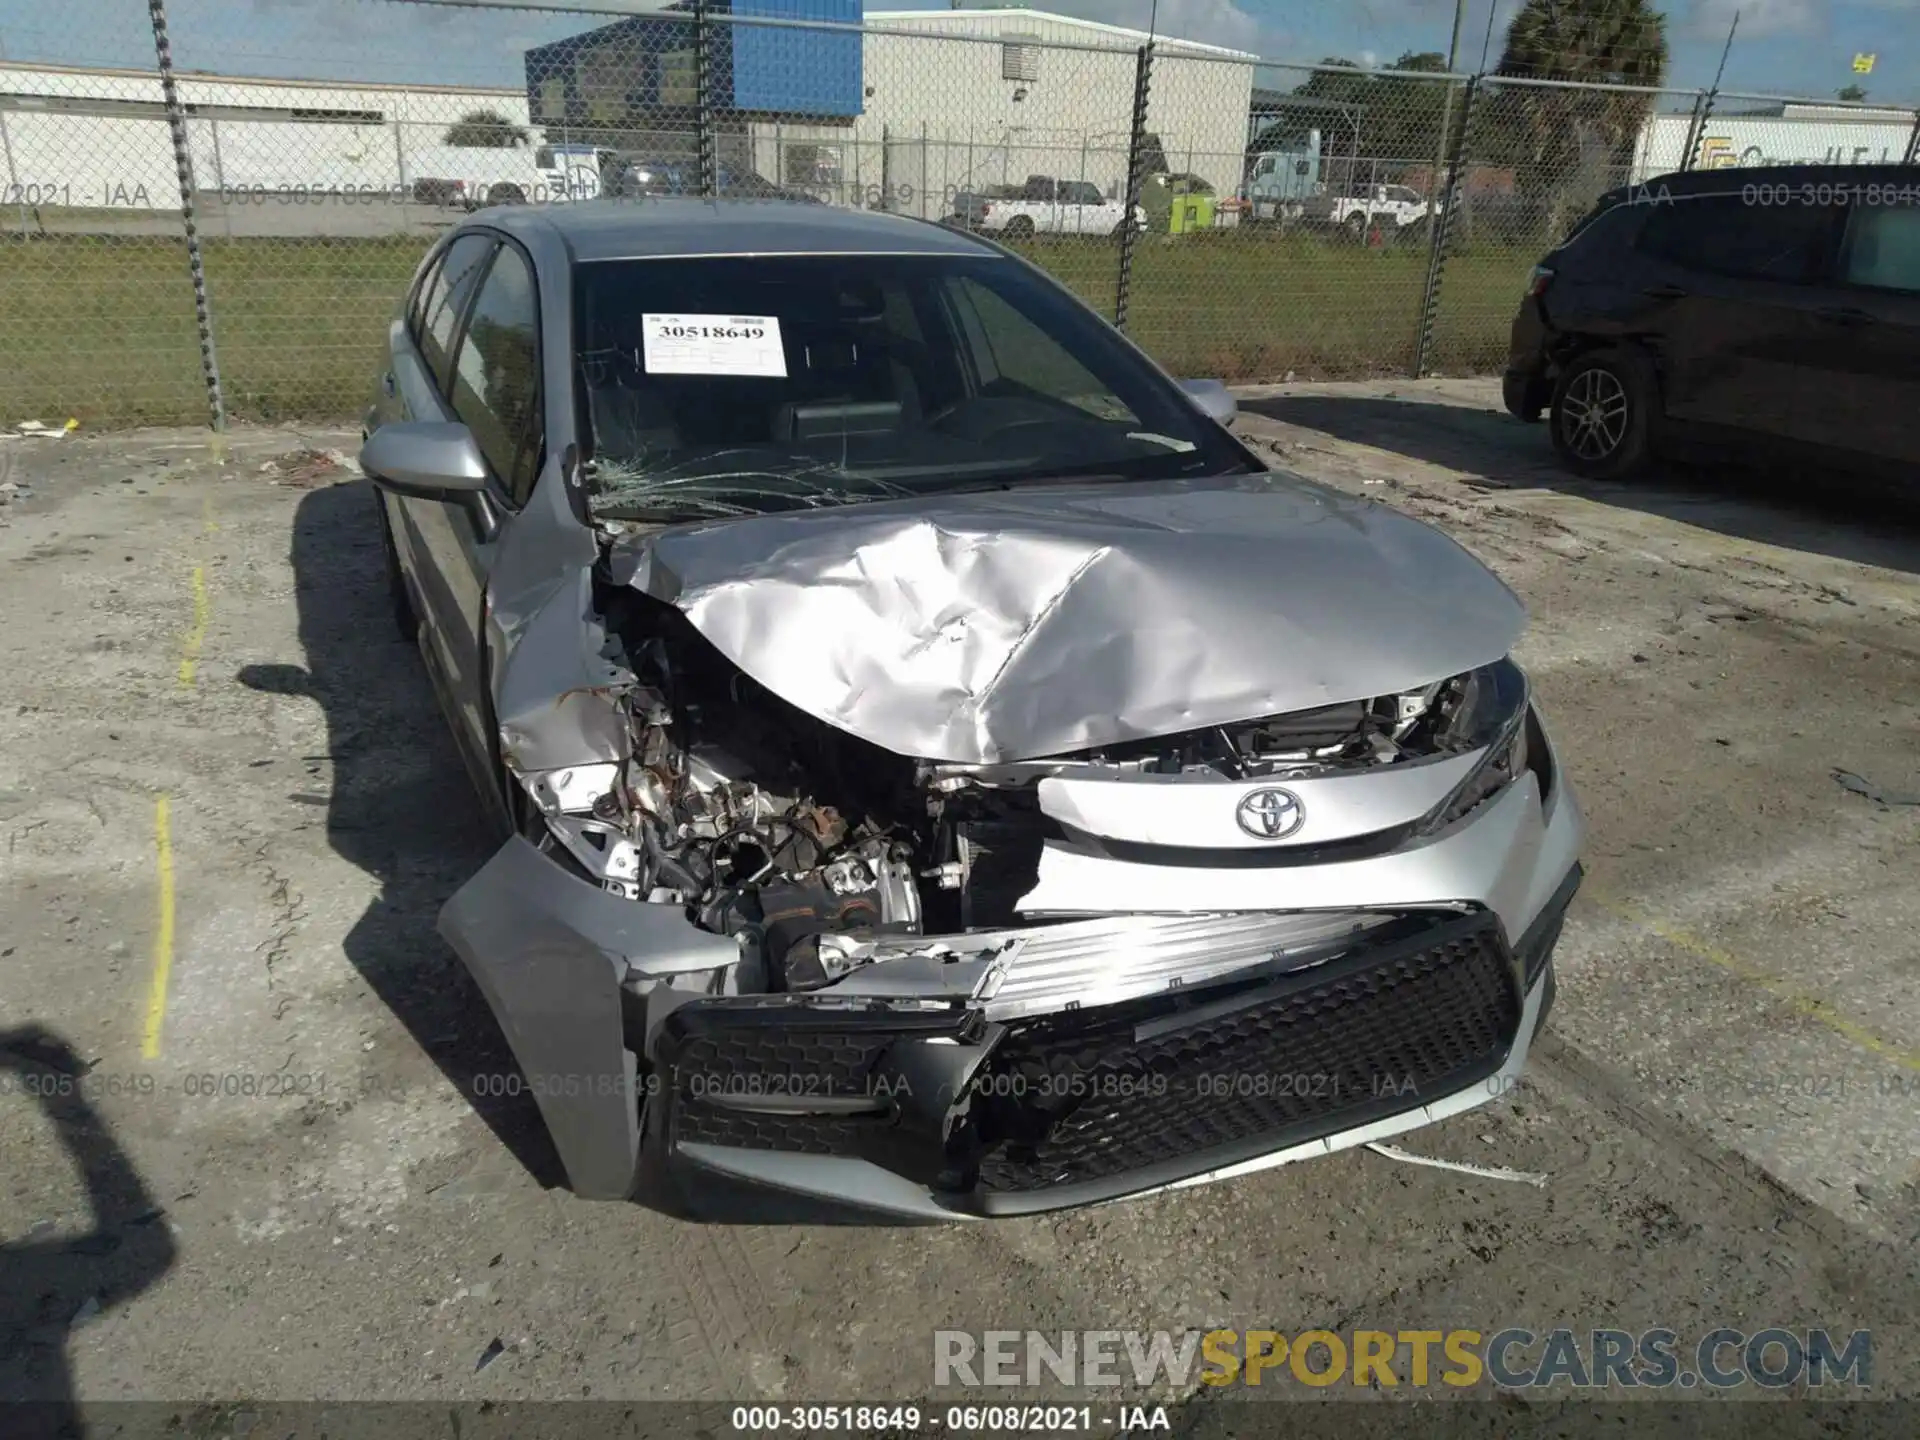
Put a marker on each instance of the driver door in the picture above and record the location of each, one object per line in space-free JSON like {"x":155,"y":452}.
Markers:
{"x":490,"y":383}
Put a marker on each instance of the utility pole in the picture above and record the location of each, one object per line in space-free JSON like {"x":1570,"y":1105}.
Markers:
{"x":1446,"y":106}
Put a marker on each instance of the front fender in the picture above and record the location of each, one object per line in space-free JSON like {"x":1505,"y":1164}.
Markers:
{"x":550,"y":952}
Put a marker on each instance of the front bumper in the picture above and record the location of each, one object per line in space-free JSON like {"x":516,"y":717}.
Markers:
{"x":915,"y":1098}
{"x":905,"y":1116}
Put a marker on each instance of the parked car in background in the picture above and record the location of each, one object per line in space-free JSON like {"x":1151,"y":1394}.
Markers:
{"x":571,"y":172}
{"x":1045,"y":206}
{"x":434,"y":190}
{"x":1385,"y":210}
{"x":1748,"y":311}
{"x":931,"y":756}
{"x":627,"y":177}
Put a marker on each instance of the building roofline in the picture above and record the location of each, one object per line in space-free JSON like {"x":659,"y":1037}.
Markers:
{"x":935,"y":18}
{"x":224,"y":78}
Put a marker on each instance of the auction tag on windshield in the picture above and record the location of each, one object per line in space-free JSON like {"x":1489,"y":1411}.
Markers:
{"x":713,"y":345}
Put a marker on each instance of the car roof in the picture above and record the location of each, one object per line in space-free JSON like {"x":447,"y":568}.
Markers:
{"x":677,"y":226}
{"x":1736,"y":177}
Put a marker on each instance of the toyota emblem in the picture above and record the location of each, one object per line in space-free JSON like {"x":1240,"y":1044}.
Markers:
{"x":1270,"y":814}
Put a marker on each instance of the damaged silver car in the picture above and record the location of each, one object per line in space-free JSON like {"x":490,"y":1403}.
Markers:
{"x":943,"y":772}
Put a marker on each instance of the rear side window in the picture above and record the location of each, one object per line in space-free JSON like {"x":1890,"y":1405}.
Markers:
{"x":459,"y":272}
{"x":1723,"y":235}
{"x":496,"y":382}
{"x":1606,"y":232}
{"x":1882,"y":248}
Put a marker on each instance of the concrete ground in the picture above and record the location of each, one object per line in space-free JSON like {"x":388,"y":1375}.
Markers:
{"x":247,"y":1140}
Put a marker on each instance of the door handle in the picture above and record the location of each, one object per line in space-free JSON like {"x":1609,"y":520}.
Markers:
{"x":1664,"y":292}
{"x":1844,"y":315}
{"x":387,"y":383}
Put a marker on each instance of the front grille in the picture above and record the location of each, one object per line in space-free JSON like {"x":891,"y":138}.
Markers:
{"x":1076,"y":1098}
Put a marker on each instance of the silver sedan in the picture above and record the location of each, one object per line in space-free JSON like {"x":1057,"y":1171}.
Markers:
{"x":941,"y":772}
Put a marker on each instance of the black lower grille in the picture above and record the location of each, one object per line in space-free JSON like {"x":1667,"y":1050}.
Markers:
{"x":1118,"y":1097}
{"x":720,"y":1075}
{"x":1076,"y":1098}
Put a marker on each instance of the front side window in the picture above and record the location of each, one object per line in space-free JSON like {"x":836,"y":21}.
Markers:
{"x":422,"y":294}
{"x":1882,"y":248}
{"x":738,"y":385}
{"x":1722,"y":235}
{"x":496,"y":381}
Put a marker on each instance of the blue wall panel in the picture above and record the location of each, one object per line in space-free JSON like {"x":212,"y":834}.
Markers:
{"x":797,"y":72}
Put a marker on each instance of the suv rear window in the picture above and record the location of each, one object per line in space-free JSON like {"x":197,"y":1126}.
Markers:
{"x":1723,"y":235}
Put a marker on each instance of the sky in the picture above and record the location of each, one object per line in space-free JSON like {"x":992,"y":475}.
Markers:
{"x":1799,"y":47}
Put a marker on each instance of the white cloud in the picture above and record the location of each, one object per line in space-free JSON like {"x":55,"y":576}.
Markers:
{"x":1711,"y":18}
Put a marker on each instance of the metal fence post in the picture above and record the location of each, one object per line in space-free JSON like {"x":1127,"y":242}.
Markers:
{"x":183,"y":165}
{"x":1913,"y":141}
{"x":1694,"y":132}
{"x":703,"y":98}
{"x":1136,"y":144}
{"x":1700,"y":135}
{"x":1443,"y":231}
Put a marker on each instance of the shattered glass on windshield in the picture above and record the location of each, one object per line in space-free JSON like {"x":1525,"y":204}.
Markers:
{"x":725,"y":386}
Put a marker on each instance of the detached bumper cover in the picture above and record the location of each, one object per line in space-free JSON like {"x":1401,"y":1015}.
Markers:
{"x":938,"y":1113}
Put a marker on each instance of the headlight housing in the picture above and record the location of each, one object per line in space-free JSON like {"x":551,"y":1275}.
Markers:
{"x":1487,"y":711}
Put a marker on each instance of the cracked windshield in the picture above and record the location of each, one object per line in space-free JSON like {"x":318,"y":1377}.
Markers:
{"x":740,"y":386}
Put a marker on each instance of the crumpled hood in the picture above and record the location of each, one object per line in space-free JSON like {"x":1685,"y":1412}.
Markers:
{"x":1012,"y":625}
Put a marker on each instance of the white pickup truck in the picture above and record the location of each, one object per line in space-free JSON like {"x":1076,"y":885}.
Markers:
{"x":1044,"y":206}
{"x":1387,"y":208}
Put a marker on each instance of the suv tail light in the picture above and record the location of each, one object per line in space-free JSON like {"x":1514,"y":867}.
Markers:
{"x":1537,"y":283}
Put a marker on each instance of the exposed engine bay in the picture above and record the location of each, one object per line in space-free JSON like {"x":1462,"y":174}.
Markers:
{"x":803,"y":841}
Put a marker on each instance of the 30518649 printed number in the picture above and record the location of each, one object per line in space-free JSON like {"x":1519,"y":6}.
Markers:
{"x":714,"y":332}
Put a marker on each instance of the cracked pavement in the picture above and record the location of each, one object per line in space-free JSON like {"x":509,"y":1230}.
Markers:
{"x":310,"y":1188}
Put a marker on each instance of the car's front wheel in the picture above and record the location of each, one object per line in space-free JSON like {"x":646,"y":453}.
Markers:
{"x":1602,"y":414}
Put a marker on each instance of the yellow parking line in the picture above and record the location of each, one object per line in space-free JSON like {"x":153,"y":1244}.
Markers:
{"x":1810,"y":1006}
{"x":190,"y":647}
{"x":163,"y":931}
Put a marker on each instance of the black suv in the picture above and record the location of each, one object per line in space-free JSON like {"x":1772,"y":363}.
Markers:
{"x":1774,"y":307}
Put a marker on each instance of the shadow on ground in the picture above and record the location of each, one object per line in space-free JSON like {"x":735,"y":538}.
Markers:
{"x":401,"y":807}
{"x":50,"y":1286}
{"x":1816,"y":512}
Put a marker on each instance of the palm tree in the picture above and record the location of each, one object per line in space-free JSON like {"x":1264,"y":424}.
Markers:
{"x":486,"y":130}
{"x":1567,"y":146}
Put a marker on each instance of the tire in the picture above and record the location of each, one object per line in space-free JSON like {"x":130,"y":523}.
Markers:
{"x":1602,"y":414}
{"x":1357,"y":228}
{"x":406,"y":621}
{"x":1020,"y":227}
{"x":506,"y":193}
{"x":1119,"y":231}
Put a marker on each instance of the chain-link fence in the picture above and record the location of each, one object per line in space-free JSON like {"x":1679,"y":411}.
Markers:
{"x":212,"y":211}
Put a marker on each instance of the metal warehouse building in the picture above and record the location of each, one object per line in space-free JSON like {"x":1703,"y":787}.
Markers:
{"x":920,"y":105}
{"x":923,"y":104}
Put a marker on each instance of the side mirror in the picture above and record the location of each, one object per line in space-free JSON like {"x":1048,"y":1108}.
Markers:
{"x":425,"y":459}
{"x":1213,"y":398}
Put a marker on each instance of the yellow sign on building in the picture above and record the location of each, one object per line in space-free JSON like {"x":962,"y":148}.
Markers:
{"x":1863,"y":64}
